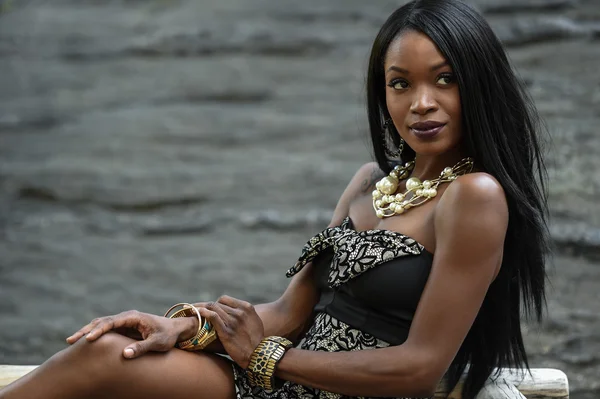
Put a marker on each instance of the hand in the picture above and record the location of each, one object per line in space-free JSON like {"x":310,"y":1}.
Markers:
{"x":155,"y":333}
{"x":238,"y":327}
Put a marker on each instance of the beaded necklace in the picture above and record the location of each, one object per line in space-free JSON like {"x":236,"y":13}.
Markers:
{"x":387,"y":202}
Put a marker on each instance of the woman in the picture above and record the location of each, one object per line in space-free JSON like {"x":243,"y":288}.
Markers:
{"x":422,"y":271}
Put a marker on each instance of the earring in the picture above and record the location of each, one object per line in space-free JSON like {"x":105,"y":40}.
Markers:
{"x":388,"y":150}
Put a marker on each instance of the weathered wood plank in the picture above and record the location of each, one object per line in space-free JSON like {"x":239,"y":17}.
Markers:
{"x":542,"y":383}
{"x":10,"y":373}
{"x":513,"y":384}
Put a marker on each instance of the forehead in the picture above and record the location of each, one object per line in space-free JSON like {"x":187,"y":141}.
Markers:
{"x":413,"y":48}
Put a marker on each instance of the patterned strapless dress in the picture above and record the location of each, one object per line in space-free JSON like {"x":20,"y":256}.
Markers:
{"x":349,"y":273}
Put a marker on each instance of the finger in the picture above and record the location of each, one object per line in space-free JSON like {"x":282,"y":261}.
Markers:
{"x":140,"y":348}
{"x":215,"y":319}
{"x":75,"y":337}
{"x":227,"y":300}
{"x":229,"y":310}
{"x":83,"y":331}
{"x":129,"y":332}
{"x":227,"y":314}
{"x":129,"y":319}
{"x":233,"y":302}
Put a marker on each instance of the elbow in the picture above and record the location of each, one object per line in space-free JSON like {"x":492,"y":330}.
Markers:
{"x":425,"y":384}
{"x":428,"y":376}
{"x":415,"y":386}
{"x":426,"y":391}
{"x":422,"y":380}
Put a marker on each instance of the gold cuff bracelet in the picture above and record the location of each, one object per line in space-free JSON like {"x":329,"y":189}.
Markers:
{"x":264,"y":359}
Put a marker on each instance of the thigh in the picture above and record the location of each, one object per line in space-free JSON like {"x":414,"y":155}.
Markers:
{"x":175,"y":374}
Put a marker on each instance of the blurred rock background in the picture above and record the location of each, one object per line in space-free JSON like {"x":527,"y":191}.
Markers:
{"x":164,"y":150}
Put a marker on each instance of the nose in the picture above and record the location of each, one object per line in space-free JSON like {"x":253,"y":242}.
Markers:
{"x":423,"y":101}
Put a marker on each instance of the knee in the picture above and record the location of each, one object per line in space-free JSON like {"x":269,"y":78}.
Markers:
{"x":109,"y":346}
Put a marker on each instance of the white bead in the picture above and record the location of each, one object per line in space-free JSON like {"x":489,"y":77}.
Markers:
{"x":379,"y":213}
{"x":399,"y":197}
{"x":432,"y":192}
{"x":419,"y":192}
{"x":399,"y":210}
{"x":388,"y":185}
{"x":447,"y":171}
{"x":413,"y":183}
{"x":392,"y":207}
{"x":426,"y":184}
{"x":376,"y":194}
{"x":378,"y":203}
{"x":393,"y":173}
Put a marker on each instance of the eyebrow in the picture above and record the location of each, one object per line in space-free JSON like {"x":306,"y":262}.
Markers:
{"x":406,"y":72}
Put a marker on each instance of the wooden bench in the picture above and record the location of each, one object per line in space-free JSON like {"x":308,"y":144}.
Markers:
{"x":510,"y":384}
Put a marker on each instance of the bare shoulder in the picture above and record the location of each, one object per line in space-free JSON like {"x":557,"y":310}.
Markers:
{"x":361,"y":183}
{"x":364,"y":179}
{"x":474,"y":203}
{"x":367,"y":175}
{"x":475,"y":190}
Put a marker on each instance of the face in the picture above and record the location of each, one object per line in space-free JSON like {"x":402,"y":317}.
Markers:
{"x":421,"y":94}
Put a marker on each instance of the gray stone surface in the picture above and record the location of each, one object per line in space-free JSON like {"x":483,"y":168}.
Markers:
{"x":161,"y":150}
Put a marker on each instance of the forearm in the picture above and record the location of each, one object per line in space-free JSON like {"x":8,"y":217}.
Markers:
{"x":276,"y":321}
{"x":395,"y":372}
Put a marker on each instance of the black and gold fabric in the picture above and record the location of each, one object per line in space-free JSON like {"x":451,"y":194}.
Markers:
{"x":370,"y":283}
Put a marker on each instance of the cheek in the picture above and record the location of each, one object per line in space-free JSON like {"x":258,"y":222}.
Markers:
{"x":397,"y":105}
{"x":451,"y":106}
{"x":454,"y":107}
{"x":456,"y":115}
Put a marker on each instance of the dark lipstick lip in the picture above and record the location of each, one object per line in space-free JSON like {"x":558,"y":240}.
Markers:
{"x":431,"y":130}
{"x":427,"y":125}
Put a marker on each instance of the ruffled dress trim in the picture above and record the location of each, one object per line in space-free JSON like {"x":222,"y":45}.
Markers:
{"x":355,"y":252}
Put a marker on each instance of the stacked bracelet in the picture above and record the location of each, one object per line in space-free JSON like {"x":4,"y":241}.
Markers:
{"x":264,"y":359}
{"x":205,"y":334}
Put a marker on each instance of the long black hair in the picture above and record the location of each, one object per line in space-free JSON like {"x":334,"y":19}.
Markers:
{"x":501,"y":130}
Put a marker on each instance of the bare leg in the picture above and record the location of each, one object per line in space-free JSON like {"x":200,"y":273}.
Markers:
{"x":99,"y":370}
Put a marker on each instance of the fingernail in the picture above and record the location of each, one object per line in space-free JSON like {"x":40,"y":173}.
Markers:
{"x":128,"y":352}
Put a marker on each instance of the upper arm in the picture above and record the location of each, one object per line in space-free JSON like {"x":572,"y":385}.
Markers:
{"x":302,"y":295}
{"x":470,"y":227}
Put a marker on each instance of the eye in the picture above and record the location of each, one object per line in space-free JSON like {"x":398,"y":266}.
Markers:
{"x":398,"y":84}
{"x":445,"y":79}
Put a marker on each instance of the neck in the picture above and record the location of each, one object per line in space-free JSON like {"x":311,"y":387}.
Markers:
{"x":429,"y":167}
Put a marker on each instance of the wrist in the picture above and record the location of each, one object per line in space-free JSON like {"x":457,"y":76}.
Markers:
{"x":188,"y":328}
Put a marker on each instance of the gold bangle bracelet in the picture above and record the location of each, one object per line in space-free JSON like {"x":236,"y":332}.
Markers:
{"x":187,"y":310}
{"x":205,"y":334}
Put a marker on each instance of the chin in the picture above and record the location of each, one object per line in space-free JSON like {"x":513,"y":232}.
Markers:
{"x":438,"y":145}
{"x":430,"y":149}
